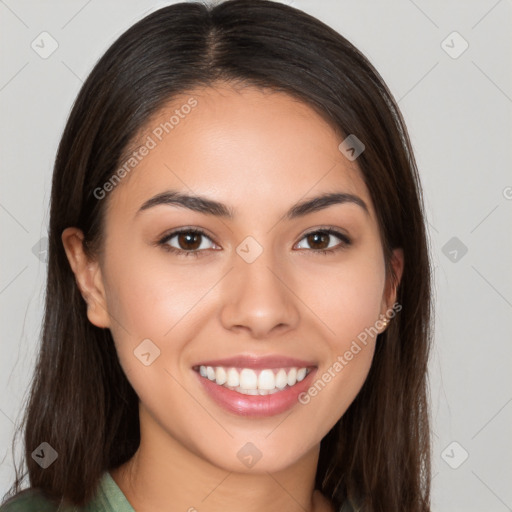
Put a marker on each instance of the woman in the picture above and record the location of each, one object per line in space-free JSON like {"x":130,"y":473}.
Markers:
{"x":238,"y":298}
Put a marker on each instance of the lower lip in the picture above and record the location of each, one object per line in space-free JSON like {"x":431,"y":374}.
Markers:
{"x":256,"y":405}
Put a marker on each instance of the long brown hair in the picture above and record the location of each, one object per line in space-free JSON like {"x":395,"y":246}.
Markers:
{"x":81,"y":402}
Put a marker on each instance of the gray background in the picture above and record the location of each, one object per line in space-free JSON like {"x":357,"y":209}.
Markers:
{"x":458,"y":111}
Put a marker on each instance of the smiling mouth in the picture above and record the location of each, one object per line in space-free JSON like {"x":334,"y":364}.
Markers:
{"x":249,"y":381}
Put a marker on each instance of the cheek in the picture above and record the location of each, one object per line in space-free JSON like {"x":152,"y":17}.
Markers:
{"x":150,"y":296}
{"x":153,"y":299}
{"x":156,"y":300}
{"x":346,"y":297}
{"x":348,"y":301}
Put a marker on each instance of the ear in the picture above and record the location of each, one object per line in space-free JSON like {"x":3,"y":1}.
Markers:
{"x":392,"y":282}
{"x":88,"y":277}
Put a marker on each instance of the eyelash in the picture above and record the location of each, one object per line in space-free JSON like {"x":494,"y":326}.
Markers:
{"x":163,"y":242}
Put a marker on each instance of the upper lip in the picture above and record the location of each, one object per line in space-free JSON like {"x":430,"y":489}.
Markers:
{"x":258,"y":362}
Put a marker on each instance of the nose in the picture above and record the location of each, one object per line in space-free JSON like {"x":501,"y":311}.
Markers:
{"x":258,"y":297}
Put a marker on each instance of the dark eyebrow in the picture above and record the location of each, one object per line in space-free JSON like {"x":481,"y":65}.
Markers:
{"x":324,"y":201}
{"x":196,"y":203}
{"x":211,"y":207}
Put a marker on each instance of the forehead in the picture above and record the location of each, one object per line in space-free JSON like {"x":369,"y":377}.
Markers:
{"x":245,"y":147}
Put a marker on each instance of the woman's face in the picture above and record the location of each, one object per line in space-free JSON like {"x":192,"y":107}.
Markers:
{"x":256,"y":285}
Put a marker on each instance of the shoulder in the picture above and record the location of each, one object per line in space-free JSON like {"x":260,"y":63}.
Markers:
{"x":30,"y":500}
{"x":108,"y":498}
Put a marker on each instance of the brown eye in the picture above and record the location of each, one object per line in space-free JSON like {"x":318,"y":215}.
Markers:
{"x":324,"y":241}
{"x":189,"y":241}
{"x":318,"y":240}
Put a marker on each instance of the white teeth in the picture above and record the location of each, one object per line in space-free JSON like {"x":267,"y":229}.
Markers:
{"x":292,"y":376}
{"x":282,"y":378}
{"x":220,"y":375}
{"x":249,"y":382}
{"x":248,"y":379}
{"x":266,"y":380}
{"x":233,"y":378}
{"x":255,"y":391}
{"x":210,"y":373}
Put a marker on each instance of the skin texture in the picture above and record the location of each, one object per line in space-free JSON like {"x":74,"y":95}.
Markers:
{"x":259,"y":153}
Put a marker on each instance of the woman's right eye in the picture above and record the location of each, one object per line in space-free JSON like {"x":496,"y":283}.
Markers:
{"x":187,"y":242}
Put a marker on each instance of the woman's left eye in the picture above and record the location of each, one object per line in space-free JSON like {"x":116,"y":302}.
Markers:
{"x":322,"y":241}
